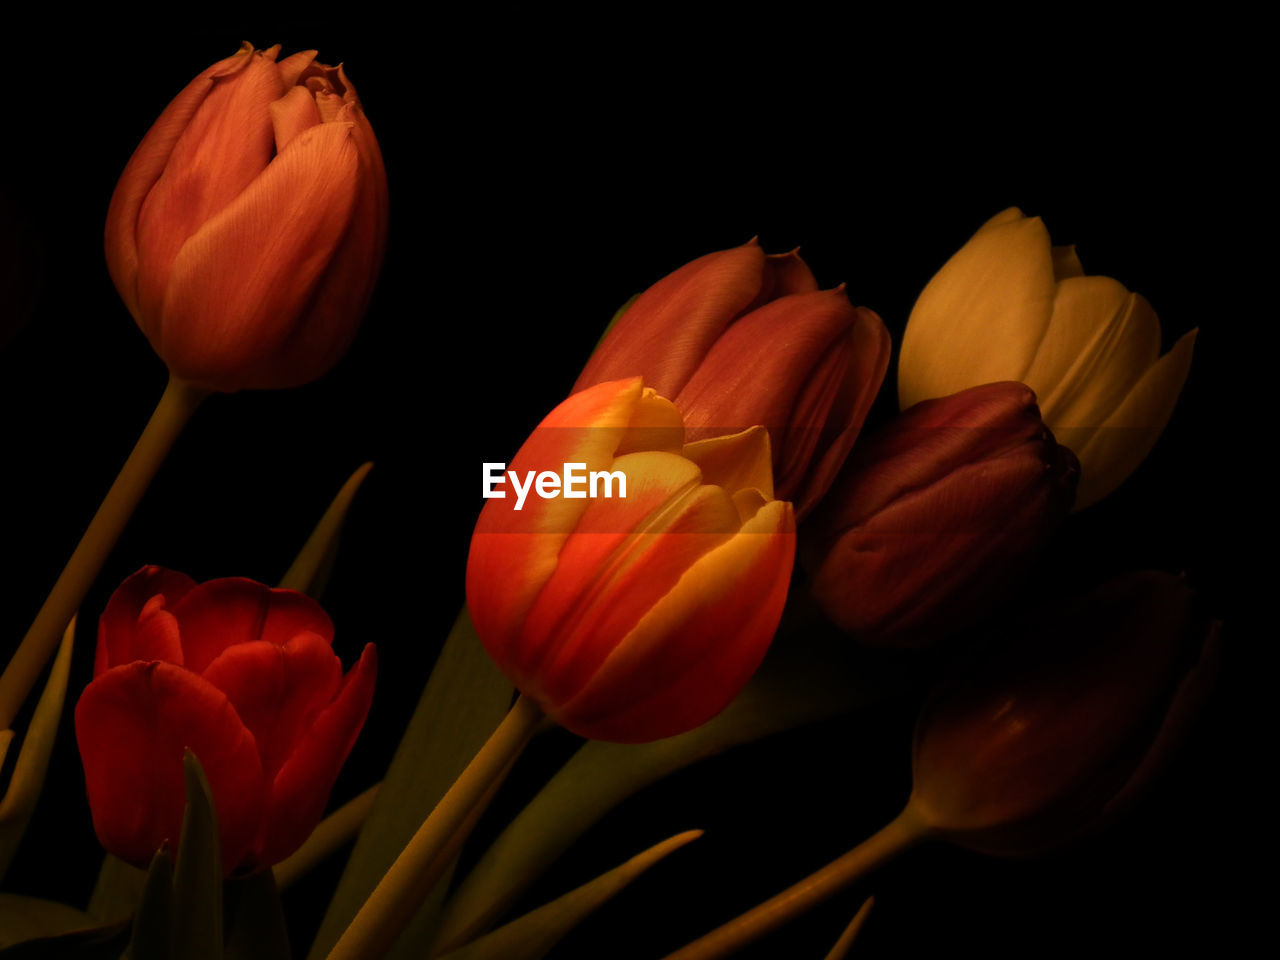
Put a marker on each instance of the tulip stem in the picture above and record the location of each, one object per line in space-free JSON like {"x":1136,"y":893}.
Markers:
{"x":177,"y":404}
{"x":410,"y":879}
{"x":901,"y":833}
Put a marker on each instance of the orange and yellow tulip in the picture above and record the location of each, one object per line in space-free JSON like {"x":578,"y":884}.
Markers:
{"x":638,"y":617}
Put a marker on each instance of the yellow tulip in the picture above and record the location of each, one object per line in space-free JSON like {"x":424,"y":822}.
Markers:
{"x":1009,"y":306}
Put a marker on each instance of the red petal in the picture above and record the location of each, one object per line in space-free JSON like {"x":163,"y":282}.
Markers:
{"x":133,"y":724}
{"x":278,"y":691}
{"x":222,"y":613}
{"x":668,"y":331}
{"x":119,"y":621}
{"x":240,"y":284}
{"x":144,"y":169}
{"x":226,"y":145}
{"x":301,"y":788}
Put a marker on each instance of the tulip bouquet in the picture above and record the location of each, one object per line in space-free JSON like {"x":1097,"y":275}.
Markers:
{"x":779,"y":554}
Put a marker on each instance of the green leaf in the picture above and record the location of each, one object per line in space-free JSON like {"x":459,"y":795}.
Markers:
{"x":800,"y":682}
{"x":310,"y":571}
{"x":119,"y":888}
{"x":26,"y":918}
{"x":256,"y":927}
{"x":845,"y":943}
{"x":33,"y":759}
{"x":532,"y":936}
{"x":464,"y":700}
{"x":152,"y":931}
{"x":338,"y":828}
{"x":96,"y":943}
{"x":197,"y":876}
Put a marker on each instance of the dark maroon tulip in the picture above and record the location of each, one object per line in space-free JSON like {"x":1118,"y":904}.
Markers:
{"x":933,"y":515}
{"x":739,"y":338}
{"x":1046,"y":741}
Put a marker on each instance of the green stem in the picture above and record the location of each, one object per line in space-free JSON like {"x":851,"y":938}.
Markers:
{"x":901,"y":833}
{"x":394,"y":900}
{"x":175,"y":408}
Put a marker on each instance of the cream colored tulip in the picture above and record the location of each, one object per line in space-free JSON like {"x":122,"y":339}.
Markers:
{"x":1009,"y":306}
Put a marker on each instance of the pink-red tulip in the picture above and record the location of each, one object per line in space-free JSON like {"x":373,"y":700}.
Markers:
{"x":638,"y":617}
{"x":241,"y":674}
{"x":935,"y":514}
{"x":1052,"y":738}
{"x":738,"y":338}
{"x":246,"y":232}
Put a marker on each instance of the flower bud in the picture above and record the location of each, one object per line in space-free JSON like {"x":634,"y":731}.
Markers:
{"x":738,"y":338}
{"x":633,"y":617}
{"x":936,"y":513}
{"x":1008,"y":306}
{"x":246,"y":232}
{"x":1040,"y":746}
{"x":245,"y":677}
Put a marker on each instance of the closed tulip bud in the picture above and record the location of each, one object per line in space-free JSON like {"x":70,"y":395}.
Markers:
{"x":738,"y":338}
{"x":1043,"y":744}
{"x":242,"y":675}
{"x":633,"y":617}
{"x":936,"y":513}
{"x":1009,"y":306}
{"x":246,"y":232}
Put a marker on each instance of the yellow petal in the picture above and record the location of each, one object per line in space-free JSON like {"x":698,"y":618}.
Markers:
{"x":1127,"y":437}
{"x":1101,"y":340}
{"x":1065,"y":263}
{"x":739,"y":461}
{"x":983,"y":315}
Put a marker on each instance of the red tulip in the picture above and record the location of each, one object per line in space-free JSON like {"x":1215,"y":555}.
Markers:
{"x":637,"y":617}
{"x":738,"y":338}
{"x":241,"y":674}
{"x":934,"y":515}
{"x":1055,"y":735}
{"x":247,"y":230}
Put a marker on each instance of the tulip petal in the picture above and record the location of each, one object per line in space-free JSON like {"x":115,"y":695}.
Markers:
{"x":133,"y":724}
{"x":805,"y":371}
{"x":983,"y":315}
{"x":926,"y":443}
{"x":513,"y":553}
{"x":291,"y":115}
{"x":144,"y":169}
{"x":293,"y":66}
{"x":330,"y":320}
{"x":1128,"y":435}
{"x":1101,"y":339}
{"x":1066,"y":263}
{"x":666,"y":333}
{"x":239,"y":284}
{"x":868,"y":362}
{"x":278,"y":691}
{"x":226,"y":145}
{"x":119,"y":620}
{"x":594,"y":600}
{"x":301,"y":789}
{"x":676,"y":670}
{"x":785,"y":274}
{"x":737,"y":461}
{"x":936,"y":556}
{"x":217,"y":614}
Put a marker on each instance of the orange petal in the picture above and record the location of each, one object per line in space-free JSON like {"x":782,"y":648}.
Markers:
{"x":144,"y":169}
{"x":239,"y":285}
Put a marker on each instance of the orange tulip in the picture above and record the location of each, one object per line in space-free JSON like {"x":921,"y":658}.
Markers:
{"x":638,"y":617}
{"x":246,"y":232}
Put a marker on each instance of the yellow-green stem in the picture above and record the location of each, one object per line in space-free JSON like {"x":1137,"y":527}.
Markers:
{"x":901,"y":833}
{"x":175,"y":408}
{"x":398,"y":894}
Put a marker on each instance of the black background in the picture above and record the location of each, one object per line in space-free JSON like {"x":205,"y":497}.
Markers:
{"x":536,"y":183}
